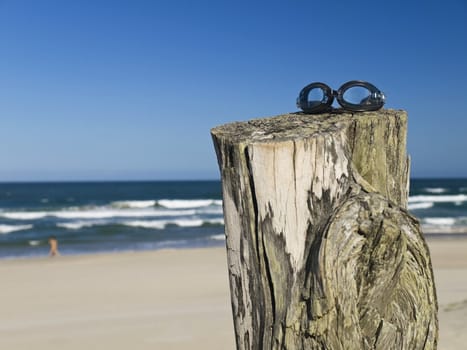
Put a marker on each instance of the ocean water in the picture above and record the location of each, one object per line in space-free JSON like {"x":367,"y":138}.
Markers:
{"x":441,"y":206}
{"x":109,"y":216}
{"x":126,"y":216}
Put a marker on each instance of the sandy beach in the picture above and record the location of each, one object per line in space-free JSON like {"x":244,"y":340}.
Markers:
{"x":172,"y":299}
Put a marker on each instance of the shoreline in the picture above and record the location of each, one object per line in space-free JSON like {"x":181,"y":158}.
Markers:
{"x":167,"y":299}
{"x":218,"y":244}
{"x":435,"y":236}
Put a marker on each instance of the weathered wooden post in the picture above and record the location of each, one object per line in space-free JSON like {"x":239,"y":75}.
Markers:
{"x":322,"y":253}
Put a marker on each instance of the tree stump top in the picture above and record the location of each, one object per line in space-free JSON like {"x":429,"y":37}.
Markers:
{"x":293,"y":126}
{"x":376,"y":142}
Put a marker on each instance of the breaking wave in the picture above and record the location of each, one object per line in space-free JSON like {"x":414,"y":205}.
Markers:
{"x":5,"y":229}
{"x":133,"y":204}
{"x":456,"y":198}
{"x":421,"y":205}
{"x":188,"y":203}
{"x":161,"y":224}
{"x":435,"y":190}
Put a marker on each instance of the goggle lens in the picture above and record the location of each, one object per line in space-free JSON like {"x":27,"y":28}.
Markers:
{"x":357,"y":95}
{"x":316,"y":95}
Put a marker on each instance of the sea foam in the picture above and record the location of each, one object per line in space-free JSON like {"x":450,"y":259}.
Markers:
{"x":80,"y":224}
{"x":219,"y":237}
{"x":5,"y":229}
{"x":33,"y":215}
{"x":439,"y":199}
{"x":103,"y":214}
{"x":161,"y":224}
{"x":187,"y":203}
{"x":134,"y":204}
{"x":219,"y":221}
{"x":421,"y":205}
{"x":154,"y":224}
{"x":97,"y":213}
{"x":439,"y":221}
{"x":188,"y":223}
{"x":435,"y":190}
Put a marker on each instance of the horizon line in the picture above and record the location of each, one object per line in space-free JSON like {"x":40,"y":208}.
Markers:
{"x":177,"y":180}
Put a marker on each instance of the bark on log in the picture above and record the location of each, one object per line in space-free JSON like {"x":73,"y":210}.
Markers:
{"x":322,"y":253}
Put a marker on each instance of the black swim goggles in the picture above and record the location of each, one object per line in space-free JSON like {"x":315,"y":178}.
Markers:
{"x":355,"y":95}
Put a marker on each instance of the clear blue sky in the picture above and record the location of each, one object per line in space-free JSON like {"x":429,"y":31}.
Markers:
{"x":130,"y":89}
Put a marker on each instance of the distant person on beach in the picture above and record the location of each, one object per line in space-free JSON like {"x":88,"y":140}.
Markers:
{"x":53,"y":246}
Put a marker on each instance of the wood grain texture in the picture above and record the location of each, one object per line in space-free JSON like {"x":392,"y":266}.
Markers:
{"x":322,"y":253}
